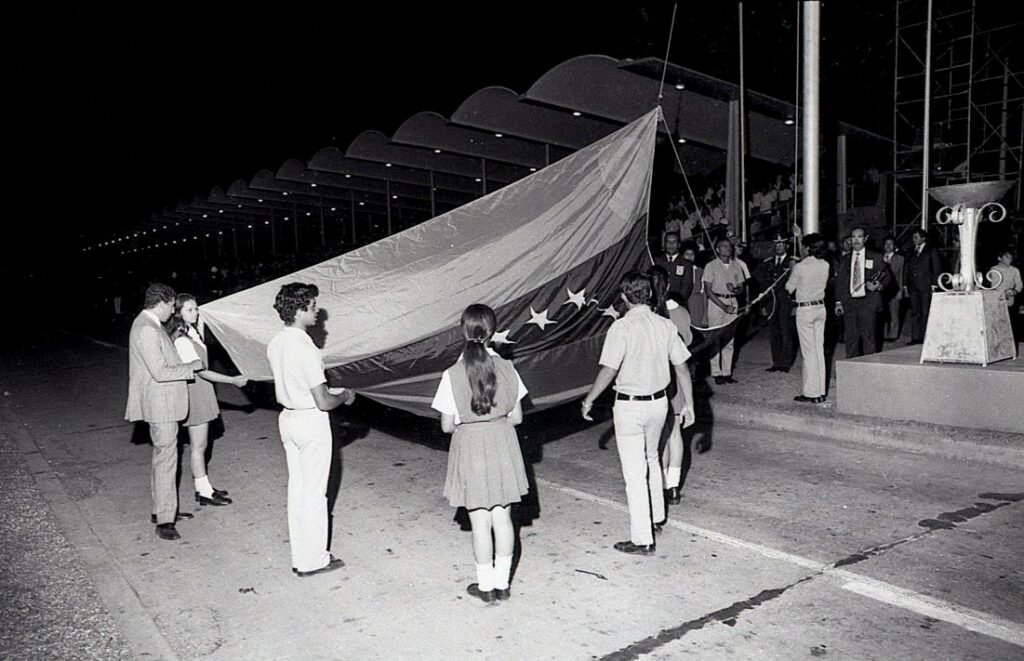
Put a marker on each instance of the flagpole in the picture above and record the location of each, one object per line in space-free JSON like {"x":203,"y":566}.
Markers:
{"x":810,"y":118}
{"x":743,"y":139}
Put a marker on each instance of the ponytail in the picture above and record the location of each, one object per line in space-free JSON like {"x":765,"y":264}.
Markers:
{"x":478,"y":323}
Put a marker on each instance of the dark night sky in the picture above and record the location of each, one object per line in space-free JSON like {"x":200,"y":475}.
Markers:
{"x":124,"y":109}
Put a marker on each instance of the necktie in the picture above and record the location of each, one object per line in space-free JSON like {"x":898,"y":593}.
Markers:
{"x":855,"y":274}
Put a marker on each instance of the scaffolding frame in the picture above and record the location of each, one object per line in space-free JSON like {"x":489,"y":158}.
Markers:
{"x":976,"y":104}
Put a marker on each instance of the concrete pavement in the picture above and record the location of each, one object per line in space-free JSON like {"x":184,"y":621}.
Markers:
{"x":786,"y":546}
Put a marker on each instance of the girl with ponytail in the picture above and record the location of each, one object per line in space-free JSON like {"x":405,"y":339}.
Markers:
{"x":479,"y":401}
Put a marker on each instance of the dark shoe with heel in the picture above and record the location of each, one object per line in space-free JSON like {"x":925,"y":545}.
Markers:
{"x":672,"y":496}
{"x":501,"y":595}
{"x":634,"y":549}
{"x":473,"y":590}
{"x":215,"y":500}
{"x":167,"y":531}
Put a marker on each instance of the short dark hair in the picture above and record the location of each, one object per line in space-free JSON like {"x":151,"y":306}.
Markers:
{"x":636,"y":286}
{"x":293,"y":297}
{"x":921,"y":233}
{"x":157,"y":293}
{"x":863,"y":229}
{"x":888,"y":237}
{"x":672,"y":233}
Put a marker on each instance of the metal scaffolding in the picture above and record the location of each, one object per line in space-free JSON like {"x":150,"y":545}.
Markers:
{"x":975,"y":106}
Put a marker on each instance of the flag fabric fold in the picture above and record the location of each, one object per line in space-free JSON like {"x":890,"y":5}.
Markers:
{"x":546,"y":252}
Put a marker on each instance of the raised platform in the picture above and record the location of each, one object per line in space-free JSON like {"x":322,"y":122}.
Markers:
{"x":895,"y":384}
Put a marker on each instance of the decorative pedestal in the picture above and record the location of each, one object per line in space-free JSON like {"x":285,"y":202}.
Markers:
{"x":968,"y":327}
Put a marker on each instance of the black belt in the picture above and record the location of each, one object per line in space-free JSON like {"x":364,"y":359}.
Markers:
{"x":645,"y":398}
{"x":724,"y":295}
{"x":801,"y":304}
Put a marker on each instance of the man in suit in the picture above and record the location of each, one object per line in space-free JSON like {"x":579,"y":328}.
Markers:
{"x":680,"y":270}
{"x":920,"y":271}
{"x":157,"y":394}
{"x":859,"y":280}
{"x":781,"y":323}
{"x":893,"y":292}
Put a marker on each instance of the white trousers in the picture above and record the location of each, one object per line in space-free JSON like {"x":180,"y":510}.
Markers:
{"x":810,"y":328}
{"x":306,"y":436}
{"x":638,"y":427}
{"x":721,"y":362}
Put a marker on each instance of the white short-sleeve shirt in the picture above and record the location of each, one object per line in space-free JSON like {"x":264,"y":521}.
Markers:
{"x":187,"y":350}
{"x":640,"y":347}
{"x":444,"y":398}
{"x":298,"y":367}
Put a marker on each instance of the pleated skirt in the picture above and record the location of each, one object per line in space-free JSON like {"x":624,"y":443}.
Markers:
{"x":485,"y":466}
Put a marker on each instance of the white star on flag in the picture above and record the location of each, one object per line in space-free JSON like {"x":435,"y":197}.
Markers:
{"x":502,"y":337}
{"x":609,"y":311}
{"x":576,"y":298}
{"x":539,"y":318}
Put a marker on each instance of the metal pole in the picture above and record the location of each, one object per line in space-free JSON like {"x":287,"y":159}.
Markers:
{"x":387,"y":202}
{"x":323,"y":237}
{"x":842,"y":203}
{"x":797,"y":197}
{"x":352,"y":201}
{"x":743,"y":140}
{"x":483,"y":175}
{"x":433,"y":196}
{"x":810,"y":121}
{"x":926,"y":148}
{"x":295,"y":226}
{"x":1002,"y":123}
{"x":970,"y":97}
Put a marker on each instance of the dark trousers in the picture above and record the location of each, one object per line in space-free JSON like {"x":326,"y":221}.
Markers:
{"x":782,"y":329}
{"x":861,"y":321}
{"x":920,"y":303}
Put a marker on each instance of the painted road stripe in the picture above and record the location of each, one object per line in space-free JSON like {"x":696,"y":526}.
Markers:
{"x":984,"y":623}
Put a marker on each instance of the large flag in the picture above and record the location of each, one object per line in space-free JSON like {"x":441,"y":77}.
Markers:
{"x":546,"y":252}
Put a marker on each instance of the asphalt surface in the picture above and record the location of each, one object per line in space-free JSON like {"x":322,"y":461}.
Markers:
{"x":787,"y":545}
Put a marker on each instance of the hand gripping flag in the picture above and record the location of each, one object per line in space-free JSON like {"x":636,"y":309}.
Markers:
{"x":546,"y":252}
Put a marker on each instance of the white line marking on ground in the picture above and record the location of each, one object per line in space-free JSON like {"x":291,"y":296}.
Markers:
{"x":972,"y":620}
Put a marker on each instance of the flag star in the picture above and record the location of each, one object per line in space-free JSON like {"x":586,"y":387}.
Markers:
{"x":609,"y":311}
{"x":576,"y":298}
{"x":539,"y":318}
{"x":502,"y":337}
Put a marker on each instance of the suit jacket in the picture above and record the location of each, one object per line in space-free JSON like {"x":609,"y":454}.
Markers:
{"x":922,"y":271}
{"x":157,"y":390}
{"x":767,"y":273}
{"x":895,"y":287}
{"x":874,"y":267}
{"x":680,"y":276}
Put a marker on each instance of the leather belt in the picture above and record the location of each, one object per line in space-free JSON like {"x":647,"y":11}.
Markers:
{"x":646,"y":398}
{"x":724,"y":295}
{"x":803,"y":304}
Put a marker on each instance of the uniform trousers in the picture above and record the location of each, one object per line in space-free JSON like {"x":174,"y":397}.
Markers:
{"x":721,"y":362}
{"x":810,"y":328}
{"x":638,"y":426}
{"x":306,"y":436}
{"x":163,"y":477}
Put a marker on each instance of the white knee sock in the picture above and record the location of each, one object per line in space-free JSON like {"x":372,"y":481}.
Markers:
{"x":502,"y":570}
{"x":203,"y":486}
{"x":672,"y":475}
{"x":485,"y":577}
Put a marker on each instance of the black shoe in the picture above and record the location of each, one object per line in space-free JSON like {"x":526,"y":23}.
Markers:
{"x":635,"y":549}
{"x":819,"y":400}
{"x":672,"y":496}
{"x":167,"y":531}
{"x":501,"y":595}
{"x":773,"y":369}
{"x":801,"y":398}
{"x":784,"y":370}
{"x":729,"y":379}
{"x":335,"y":563}
{"x":719,"y":380}
{"x":180,"y":516}
{"x":220,"y":492}
{"x":216,"y":500}
{"x":473,"y":590}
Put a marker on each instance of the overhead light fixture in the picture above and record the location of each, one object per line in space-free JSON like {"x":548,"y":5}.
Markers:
{"x":205,"y":215}
{"x":362,"y":204}
{"x":348,"y":176}
{"x":576,"y":113}
{"x":266,"y":222}
{"x":218,"y":211}
{"x":499,"y":135}
{"x":680,"y":86}
{"x":287,"y":218}
{"x":239,"y":206}
{"x":477,"y":180}
{"x":250,"y":226}
{"x":682,"y":141}
{"x":285,"y":193}
{"x":334,"y":208}
{"x":259,"y":200}
{"x":533,"y":169}
{"x":394,"y":197}
{"x":437,"y":151}
{"x":308,"y":213}
{"x":387,"y":165}
{"x":789,"y":121}
{"x":312,"y":185}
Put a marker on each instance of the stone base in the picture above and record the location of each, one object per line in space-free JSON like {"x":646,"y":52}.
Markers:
{"x":968,"y":327}
{"x":897,"y":385}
